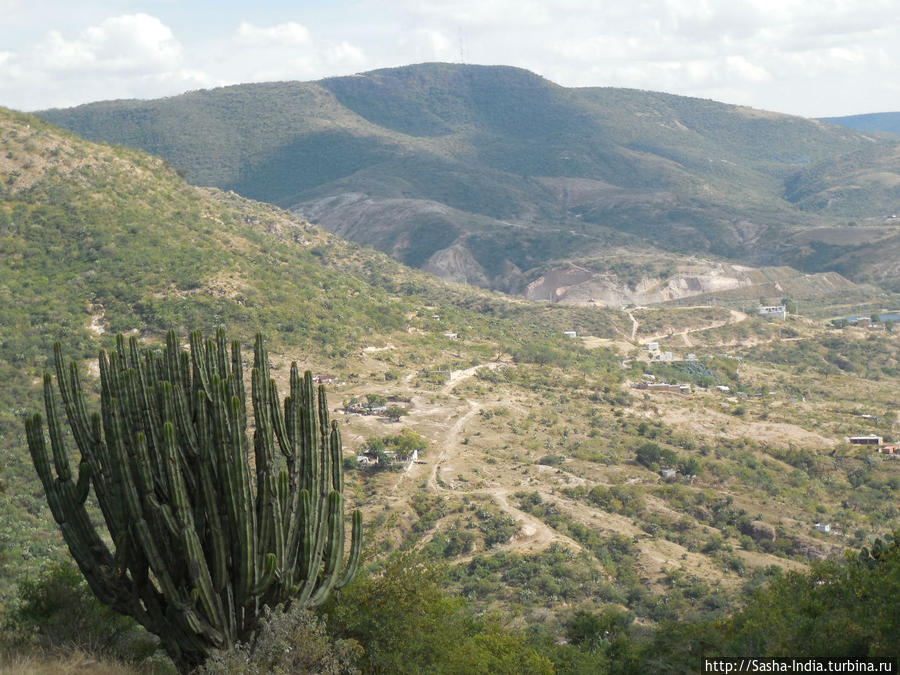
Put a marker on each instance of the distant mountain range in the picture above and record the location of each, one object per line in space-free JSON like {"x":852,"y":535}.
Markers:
{"x":887,"y":121}
{"x":495,"y":176}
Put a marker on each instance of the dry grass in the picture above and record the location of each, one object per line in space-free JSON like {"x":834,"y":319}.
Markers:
{"x":63,"y":664}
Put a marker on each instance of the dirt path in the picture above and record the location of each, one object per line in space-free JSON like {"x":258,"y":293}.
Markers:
{"x":451,"y":440}
{"x":736,"y":317}
{"x":634,"y":325}
{"x":458,"y":376}
{"x":451,"y":443}
{"x":535,"y":534}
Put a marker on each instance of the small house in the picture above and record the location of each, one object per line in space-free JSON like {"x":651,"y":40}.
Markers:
{"x":451,"y":336}
{"x":664,"y":387}
{"x":868,"y":439}
{"x":570,"y":333}
{"x":823,"y":527}
{"x":774,"y":312}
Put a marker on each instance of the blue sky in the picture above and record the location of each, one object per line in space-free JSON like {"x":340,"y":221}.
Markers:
{"x":828,"y":57}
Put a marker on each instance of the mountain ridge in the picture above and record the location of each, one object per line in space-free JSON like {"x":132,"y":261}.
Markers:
{"x":888,"y":122}
{"x":501,"y":171}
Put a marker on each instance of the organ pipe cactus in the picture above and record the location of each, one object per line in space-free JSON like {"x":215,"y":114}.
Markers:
{"x":200,"y":539}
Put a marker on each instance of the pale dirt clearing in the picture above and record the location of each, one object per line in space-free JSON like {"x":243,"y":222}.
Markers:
{"x":712,"y":422}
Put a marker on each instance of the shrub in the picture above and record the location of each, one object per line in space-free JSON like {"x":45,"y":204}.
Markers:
{"x":57,"y":611}
{"x":292,"y":640}
{"x":407,"y":623}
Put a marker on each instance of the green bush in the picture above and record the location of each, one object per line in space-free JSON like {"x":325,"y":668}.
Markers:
{"x":650,"y":455}
{"x":57,"y":611}
{"x":407,"y":623}
{"x":292,"y":640}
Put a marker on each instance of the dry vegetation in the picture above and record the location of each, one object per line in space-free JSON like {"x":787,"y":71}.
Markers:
{"x":553,"y":450}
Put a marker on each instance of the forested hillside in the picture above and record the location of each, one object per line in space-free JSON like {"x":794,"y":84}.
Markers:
{"x":482,"y":174}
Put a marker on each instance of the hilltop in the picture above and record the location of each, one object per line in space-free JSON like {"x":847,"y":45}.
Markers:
{"x":492,"y":175}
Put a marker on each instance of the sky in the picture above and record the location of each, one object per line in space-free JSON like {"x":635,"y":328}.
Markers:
{"x":804,"y":57}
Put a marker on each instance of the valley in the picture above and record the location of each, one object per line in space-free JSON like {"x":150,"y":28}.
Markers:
{"x":554,"y":474}
{"x":531,"y":443}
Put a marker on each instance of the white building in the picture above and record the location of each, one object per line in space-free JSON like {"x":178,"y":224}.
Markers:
{"x":774,"y":312}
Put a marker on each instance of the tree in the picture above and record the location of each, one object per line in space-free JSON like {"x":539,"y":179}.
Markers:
{"x":200,"y":546}
{"x":407,"y":442}
{"x":590,"y":630}
{"x":395,"y":412}
{"x":408,"y":623}
{"x":648,"y":454}
{"x":375,"y":400}
{"x":690,"y":467}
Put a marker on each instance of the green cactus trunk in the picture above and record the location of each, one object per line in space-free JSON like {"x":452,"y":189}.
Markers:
{"x":199,"y":543}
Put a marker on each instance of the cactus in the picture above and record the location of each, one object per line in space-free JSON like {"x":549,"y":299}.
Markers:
{"x":198,"y":541}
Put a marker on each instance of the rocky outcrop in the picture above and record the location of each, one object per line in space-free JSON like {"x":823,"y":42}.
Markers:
{"x":456,"y":263}
{"x":761,"y":531}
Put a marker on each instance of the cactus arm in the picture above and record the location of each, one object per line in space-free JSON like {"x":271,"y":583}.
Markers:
{"x":335,"y":449}
{"x":334,"y":549}
{"x":60,"y":457}
{"x":355,"y":550}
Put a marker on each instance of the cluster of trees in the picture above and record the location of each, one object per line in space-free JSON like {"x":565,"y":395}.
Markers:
{"x":652,"y":456}
{"x":393,"y":448}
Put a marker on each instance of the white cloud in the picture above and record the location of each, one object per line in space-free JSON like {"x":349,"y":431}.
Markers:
{"x":286,"y":51}
{"x":787,"y":55}
{"x":436,"y":40}
{"x":744,"y":71}
{"x":134,"y":42}
{"x":288,"y":34}
{"x":479,"y":13}
{"x":134,"y":55}
{"x":345,"y":53}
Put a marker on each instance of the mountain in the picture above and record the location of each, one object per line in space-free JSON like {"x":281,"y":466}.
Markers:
{"x":561,"y":467}
{"x":485,"y":174}
{"x":98,"y":240}
{"x":887,"y":121}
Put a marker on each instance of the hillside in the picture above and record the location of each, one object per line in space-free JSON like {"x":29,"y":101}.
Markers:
{"x":483,"y":174}
{"x":886,"y":121}
{"x":542,"y":475}
{"x":98,"y":240}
